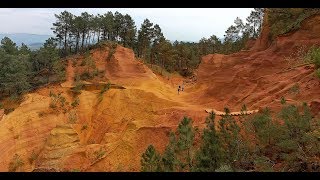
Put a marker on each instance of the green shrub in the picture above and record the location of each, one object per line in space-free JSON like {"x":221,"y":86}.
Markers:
{"x":33,"y":157}
{"x":86,"y":76}
{"x":78,"y":86}
{"x":52,"y":105}
{"x":95,"y":72}
{"x":110,"y":54}
{"x":295,"y":89}
{"x":224,"y":168}
{"x":103,"y":90}
{"x":72,"y":117}
{"x":75,"y":170}
{"x":99,"y":154}
{"x":284,"y":20}
{"x":317,"y":72}
{"x":15,"y":163}
{"x":314,"y":56}
{"x":283,"y":100}
{"x":84,"y":127}
{"x":75,"y":102}
{"x":9,"y":110}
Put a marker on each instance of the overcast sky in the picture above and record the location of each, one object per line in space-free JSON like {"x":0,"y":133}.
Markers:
{"x":182,"y":24}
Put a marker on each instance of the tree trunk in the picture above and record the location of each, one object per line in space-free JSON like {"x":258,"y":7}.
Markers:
{"x":83,"y":36}
{"x":77,"y":42}
{"x":98,"y":36}
{"x":65,"y":41}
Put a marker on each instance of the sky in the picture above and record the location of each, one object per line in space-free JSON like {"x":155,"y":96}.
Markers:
{"x":182,"y":24}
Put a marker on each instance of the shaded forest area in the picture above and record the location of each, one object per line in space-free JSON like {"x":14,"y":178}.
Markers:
{"x":265,"y":142}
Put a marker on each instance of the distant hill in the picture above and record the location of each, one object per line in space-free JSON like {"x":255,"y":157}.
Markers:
{"x":34,"y":41}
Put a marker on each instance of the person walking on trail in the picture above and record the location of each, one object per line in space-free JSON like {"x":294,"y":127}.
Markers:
{"x":182,"y":86}
{"x":179,"y":89}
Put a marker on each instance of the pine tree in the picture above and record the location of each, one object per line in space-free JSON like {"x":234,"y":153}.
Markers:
{"x":230,"y":139}
{"x":145,"y":35}
{"x":185,"y":143}
{"x":209,"y":157}
{"x":150,"y":160}
{"x":9,"y":46}
{"x":169,"y":156}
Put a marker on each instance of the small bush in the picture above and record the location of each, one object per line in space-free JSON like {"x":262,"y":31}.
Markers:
{"x":283,"y":100}
{"x":72,"y":117}
{"x":75,"y":170}
{"x":186,"y":72}
{"x":103,"y":90}
{"x":58,"y":101}
{"x":317,"y":72}
{"x":75,"y":102}
{"x":83,"y":62}
{"x":84,"y":127}
{"x":1,"y":106}
{"x":99,"y":154}
{"x":86,"y":75}
{"x":33,"y":157}
{"x":224,"y":168}
{"x":74,"y":62}
{"x":52,"y":105}
{"x":295,"y":89}
{"x":51,"y":94}
{"x":110,"y":54}
{"x":41,"y":114}
{"x":78,"y":86}
{"x":9,"y":110}
{"x":95,"y":72}
{"x":62,"y":100}
{"x":314,"y":55}
{"x":15,"y":163}
{"x":77,"y":77}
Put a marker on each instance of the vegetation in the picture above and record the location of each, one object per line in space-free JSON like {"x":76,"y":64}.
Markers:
{"x":313,"y":56}
{"x":150,"y":161}
{"x":84,"y":127}
{"x":33,"y":157}
{"x":99,"y":154}
{"x":317,"y":72}
{"x":22,"y":70}
{"x":15,"y":163}
{"x":72,"y":117}
{"x":78,"y":85}
{"x":104,"y":88}
{"x":290,"y":138}
{"x":79,"y":33}
{"x":284,"y":20}
{"x":58,"y":102}
{"x":76,"y":102}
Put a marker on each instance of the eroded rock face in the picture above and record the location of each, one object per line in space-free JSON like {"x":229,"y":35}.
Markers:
{"x":61,"y":143}
{"x":315,"y":107}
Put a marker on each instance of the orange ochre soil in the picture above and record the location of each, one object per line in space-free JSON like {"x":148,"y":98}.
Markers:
{"x":110,"y":133}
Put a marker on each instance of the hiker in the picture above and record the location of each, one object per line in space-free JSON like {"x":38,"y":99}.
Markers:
{"x":179,"y":89}
{"x":182,"y":86}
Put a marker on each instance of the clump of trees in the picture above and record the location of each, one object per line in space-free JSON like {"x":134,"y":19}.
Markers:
{"x":79,"y":33}
{"x":236,"y":35}
{"x":289,"y":138}
{"x":284,"y":20}
{"x":22,"y":70}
